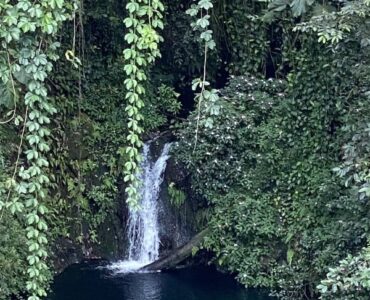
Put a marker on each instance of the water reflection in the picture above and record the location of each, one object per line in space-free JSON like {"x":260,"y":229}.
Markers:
{"x":141,"y":286}
{"x":87,"y":282}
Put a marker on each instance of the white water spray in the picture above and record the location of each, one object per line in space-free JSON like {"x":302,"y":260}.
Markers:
{"x":143,"y":228}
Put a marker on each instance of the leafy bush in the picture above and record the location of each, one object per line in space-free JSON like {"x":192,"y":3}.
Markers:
{"x":350,"y":280}
{"x":13,"y":252}
{"x":13,"y":256}
{"x":280,"y":217}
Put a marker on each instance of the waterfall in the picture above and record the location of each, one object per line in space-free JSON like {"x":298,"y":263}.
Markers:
{"x":143,"y":228}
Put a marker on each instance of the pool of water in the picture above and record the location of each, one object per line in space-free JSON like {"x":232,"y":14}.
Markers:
{"x":90,"y":282}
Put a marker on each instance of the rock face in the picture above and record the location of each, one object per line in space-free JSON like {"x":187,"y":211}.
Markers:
{"x":110,"y":235}
{"x":177,"y":223}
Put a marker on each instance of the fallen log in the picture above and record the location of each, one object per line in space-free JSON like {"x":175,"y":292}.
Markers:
{"x":178,"y":255}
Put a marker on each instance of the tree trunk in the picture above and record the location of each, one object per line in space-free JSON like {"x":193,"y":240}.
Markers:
{"x":178,"y":255}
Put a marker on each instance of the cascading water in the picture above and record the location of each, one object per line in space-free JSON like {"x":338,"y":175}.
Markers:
{"x":143,"y":229}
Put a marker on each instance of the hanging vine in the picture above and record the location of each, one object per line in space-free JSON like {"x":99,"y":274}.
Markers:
{"x":207,"y":98}
{"x":143,"y":21}
{"x":27,"y":30}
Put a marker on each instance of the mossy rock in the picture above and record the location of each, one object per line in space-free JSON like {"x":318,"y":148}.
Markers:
{"x":76,"y":132}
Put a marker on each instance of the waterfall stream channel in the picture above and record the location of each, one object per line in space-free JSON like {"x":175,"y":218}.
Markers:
{"x":143,"y":225}
{"x":123,"y":280}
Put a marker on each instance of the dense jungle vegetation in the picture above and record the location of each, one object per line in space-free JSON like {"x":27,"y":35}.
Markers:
{"x":269,"y":104}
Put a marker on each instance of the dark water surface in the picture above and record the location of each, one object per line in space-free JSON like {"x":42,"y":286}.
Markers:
{"x":87,"y":282}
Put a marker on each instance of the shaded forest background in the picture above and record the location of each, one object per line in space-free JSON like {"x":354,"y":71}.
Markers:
{"x":280,"y":176}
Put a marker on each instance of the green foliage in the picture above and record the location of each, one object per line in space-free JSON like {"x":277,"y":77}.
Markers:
{"x":350,"y":280}
{"x":177,"y":197}
{"x":92,"y":128}
{"x":27,"y":31}
{"x":89,"y":131}
{"x":182,"y":57}
{"x":207,"y":98}
{"x":13,"y":256}
{"x":281,"y":217}
{"x":145,"y":17}
{"x":297,"y":8}
{"x":162,"y":107}
{"x":169,"y":99}
{"x":234,"y":124}
{"x":355,"y":168}
{"x":246,"y":35}
{"x":333,"y":26}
